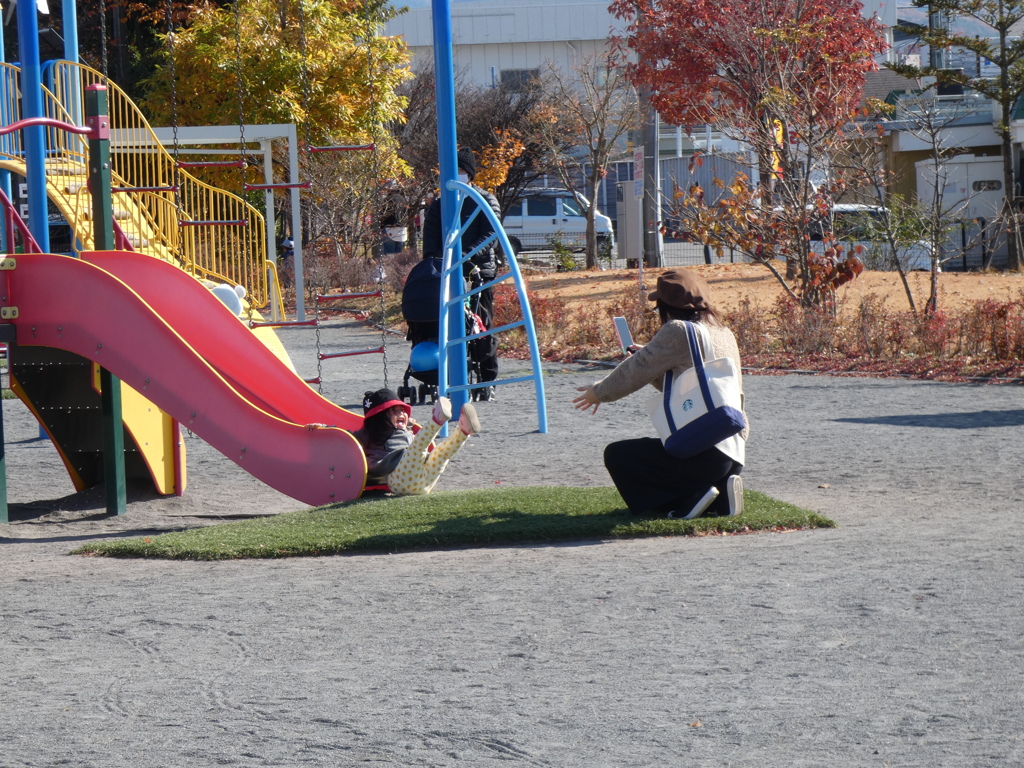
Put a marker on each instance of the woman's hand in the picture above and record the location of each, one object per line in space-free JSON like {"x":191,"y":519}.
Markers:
{"x":587,"y":401}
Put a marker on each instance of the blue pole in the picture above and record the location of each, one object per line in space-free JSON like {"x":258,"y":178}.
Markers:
{"x":74,"y":96}
{"x":34,"y":137}
{"x":447,"y":150}
{"x":69,"y":11}
{"x":5,"y":175}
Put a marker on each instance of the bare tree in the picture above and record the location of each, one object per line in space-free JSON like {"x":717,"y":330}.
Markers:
{"x":927,"y":117}
{"x":485,"y":116}
{"x":589,"y":111}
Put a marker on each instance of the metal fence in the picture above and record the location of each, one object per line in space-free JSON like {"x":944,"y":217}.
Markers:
{"x":675,"y":253}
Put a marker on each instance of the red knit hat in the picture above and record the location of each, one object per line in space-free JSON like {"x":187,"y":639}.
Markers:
{"x":381,"y":400}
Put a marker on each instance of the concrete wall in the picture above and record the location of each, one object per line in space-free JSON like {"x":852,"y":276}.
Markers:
{"x":489,"y":37}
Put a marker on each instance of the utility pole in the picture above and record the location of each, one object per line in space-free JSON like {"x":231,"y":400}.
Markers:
{"x":937,"y":19}
{"x":651,"y":207}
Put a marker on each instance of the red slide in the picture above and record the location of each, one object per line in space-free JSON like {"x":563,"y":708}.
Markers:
{"x":217,"y":335}
{"x":69,"y":304}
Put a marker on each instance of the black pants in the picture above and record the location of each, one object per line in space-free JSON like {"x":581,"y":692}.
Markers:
{"x":487,"y":354}
{"x":652,"y":481}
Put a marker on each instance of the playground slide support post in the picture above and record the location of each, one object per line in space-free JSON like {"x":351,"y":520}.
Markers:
{"x":8,"y":335}
{"x":69,"y":11}
{"x":103,"y":234}
{"x":6,"y":241}
{"x":33,"y":136}
{"x":4,"y":518}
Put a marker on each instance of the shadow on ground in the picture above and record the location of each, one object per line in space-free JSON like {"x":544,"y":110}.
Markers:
{"x":973,"y":420}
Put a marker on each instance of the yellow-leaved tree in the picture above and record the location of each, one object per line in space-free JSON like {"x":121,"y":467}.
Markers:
{"x":496,"y":159}
{"x":323,"y":65}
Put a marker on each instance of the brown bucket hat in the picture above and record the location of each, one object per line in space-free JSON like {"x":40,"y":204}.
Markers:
{"x":681,"y":289}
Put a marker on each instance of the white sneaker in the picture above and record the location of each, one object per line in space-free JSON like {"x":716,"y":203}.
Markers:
{"x":695,"y":511}
{"x":734,"y":492}
{"x":442,"y":411}
{"x":468,"y":420}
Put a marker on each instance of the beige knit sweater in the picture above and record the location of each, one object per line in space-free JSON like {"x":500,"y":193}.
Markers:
{"x":669,"y":349}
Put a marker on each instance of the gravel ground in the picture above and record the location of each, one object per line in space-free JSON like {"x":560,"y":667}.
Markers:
{"x":893,"y":640}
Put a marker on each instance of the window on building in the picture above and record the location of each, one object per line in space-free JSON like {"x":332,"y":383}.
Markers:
{"x":989,"y":185}
{"x":519,"y":79}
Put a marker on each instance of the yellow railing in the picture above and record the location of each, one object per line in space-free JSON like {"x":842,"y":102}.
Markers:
{"x":207,"y":231}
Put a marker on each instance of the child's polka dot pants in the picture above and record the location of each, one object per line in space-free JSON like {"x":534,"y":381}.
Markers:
{"x":420,"y":468}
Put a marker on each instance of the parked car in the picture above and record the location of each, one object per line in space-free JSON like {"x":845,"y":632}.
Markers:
{"x":858,"y":228}
{"x":542,"y":215}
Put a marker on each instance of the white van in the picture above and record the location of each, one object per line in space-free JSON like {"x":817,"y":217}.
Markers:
{"x":543,"y":215}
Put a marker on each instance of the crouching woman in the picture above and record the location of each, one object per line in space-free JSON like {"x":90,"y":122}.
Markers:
{"x":650,"y":479}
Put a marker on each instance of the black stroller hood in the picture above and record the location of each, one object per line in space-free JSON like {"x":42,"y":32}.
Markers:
{"x":421,"y":293}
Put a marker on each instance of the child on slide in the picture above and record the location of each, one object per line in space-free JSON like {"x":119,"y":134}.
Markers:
{"x":401,"y":453}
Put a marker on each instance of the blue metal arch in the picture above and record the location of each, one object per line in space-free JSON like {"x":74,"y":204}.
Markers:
{"x":453,"y":299}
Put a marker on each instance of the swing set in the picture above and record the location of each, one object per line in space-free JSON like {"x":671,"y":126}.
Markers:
{"x":294,"y":186}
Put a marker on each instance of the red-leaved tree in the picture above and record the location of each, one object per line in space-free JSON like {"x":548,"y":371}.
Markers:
{"x":781,"y":77}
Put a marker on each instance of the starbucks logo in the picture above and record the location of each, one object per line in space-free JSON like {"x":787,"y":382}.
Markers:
{"x":687,"y":404}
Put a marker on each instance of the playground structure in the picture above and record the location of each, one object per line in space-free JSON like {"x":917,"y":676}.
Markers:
{"x":176,"y":345}
{"x":131,"y":308}
{"x":189,"y":355}
{"x":159,"y":209}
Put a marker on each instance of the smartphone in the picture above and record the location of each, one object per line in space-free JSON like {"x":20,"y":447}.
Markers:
{"x":622,"y":331}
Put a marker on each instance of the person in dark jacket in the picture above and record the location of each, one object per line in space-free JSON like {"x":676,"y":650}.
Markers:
{"x":393,"y":221}
{"x":482,"y":268}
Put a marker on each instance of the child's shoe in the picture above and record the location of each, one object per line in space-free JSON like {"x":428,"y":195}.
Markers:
{"x":468,"y":421}
{"x":442,"y":411}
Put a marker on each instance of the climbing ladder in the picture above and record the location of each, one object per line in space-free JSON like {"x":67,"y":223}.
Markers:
{"x":453,"y":303}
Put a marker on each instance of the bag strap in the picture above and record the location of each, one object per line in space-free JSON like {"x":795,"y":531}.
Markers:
{"x":666,"y":396}
{"x":698,"y":366}
{"x":702,"y":377}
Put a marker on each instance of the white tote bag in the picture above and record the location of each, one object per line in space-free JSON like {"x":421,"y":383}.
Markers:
{"x":702,"y":407}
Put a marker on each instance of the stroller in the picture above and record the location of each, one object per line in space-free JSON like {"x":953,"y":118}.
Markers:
{"x":420,"y":297}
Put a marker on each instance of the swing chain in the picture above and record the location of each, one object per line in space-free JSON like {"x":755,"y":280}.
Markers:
{"x":316,"y":316}
{"x":103,"y":40}
{"x":175,"y":169}
{"x":378,"y":236}
{"x":246,"y":243}
{"x":383,"y":318}
{"x":240,"y":82}
{"x":305,"y":157}
{"x":304,"y":75}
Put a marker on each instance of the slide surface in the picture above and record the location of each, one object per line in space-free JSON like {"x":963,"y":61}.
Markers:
{"x":70,"y":304}
{"x":220,"y":338}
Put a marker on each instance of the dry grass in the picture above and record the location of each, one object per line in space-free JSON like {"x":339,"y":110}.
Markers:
{"x":978,"y":331}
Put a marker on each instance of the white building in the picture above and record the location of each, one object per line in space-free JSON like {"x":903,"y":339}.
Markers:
{"x":494,"y":40}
